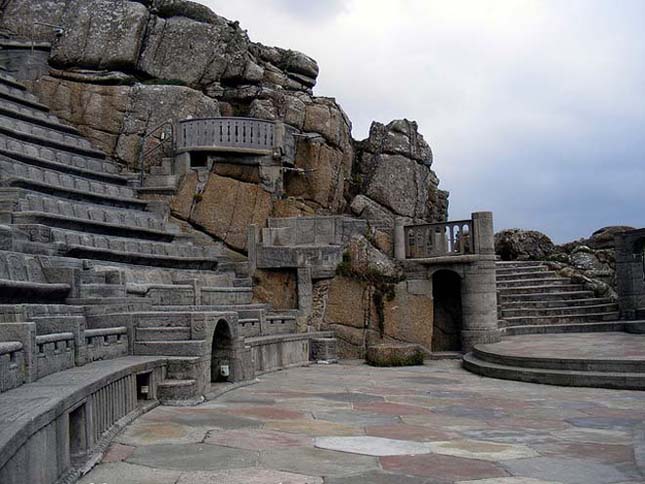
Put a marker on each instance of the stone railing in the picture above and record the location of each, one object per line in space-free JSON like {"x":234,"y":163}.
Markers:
{"x":438,"y":239}
{"x":243,"y":135}
{"x":453,"y":238}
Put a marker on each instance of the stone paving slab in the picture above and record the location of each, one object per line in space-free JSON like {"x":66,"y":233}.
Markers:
{"x":480,"y":431}
{"x":374,"y":446}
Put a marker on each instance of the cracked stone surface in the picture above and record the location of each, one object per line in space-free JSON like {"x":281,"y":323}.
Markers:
{"x":354,"y":424}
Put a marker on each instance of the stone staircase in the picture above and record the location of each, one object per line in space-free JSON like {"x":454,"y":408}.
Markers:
{"x":66,"y":203}
{"x":534,"y":299}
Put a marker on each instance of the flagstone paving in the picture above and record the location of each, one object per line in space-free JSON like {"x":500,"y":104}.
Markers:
{"x":354,"y":424}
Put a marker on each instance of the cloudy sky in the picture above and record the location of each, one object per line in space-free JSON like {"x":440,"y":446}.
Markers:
{"x":535,"y":109}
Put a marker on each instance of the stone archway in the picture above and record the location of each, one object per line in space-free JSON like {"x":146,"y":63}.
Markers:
{"x":222,"y":353}
{"x":447,"y":311}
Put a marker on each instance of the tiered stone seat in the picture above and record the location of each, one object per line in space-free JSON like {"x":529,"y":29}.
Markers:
{"x":15,"y":93}
{"x":39,"y":134}
{"x":15,"y":173}
{"x":92,"y":168}
{"x":33,"y":115}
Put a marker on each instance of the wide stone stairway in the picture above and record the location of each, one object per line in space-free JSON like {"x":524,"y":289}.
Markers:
{"x":534,"y":299}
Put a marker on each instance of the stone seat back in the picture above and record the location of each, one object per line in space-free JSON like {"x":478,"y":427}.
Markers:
{"x":22,"y":279}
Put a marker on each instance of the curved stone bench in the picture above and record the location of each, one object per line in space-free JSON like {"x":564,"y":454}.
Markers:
{"x":49,"y":428}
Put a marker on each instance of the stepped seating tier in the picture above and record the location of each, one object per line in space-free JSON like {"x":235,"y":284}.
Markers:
{"x":66,"y":162}
{"x":15,"y":173}
{"x":36,"y":116}
{"x":532,"y":298}
{"x":20,"y":206}
{"x":46,"y":136}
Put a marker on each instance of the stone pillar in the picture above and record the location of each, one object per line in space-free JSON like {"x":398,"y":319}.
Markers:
{"x":479,"y":304}
{"x":399,"y":239}
{"x":253,"y":235}
{"x":305,"y":291}
{"x":483,"y":233}
{"x":630,"y":273}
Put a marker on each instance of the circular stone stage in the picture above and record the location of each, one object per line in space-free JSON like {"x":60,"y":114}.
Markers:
{"x":603,"y":360}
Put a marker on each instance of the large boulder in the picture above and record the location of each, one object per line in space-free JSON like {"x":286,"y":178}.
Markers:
{"x":392,"y":176}
{"x":518,"y":244}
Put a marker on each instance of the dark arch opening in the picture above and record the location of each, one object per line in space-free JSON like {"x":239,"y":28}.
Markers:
{"x":221,"y":352}
{"x":447,"y":320}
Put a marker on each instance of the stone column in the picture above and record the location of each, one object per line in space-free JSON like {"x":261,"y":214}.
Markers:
{"x":483,"y":233}
{"x":305,"y":296}
{"x":479,"y":304}
{"x":399,"y":239}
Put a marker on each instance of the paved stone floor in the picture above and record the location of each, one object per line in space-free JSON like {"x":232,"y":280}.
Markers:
{"x":618,"y":345}
{"x":354,"y":424}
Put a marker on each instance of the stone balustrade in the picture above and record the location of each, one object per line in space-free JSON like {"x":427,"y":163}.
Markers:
{"x":237,"y":135}
{"x":452,"y":238}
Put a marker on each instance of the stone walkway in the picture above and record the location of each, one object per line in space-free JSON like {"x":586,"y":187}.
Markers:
{"x":354,"y":424}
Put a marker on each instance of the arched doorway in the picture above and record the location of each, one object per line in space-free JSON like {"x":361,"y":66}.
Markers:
{"x":447,"y":320}
{"x":221,"y":352}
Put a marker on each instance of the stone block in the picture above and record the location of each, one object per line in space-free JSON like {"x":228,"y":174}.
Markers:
{"x":394,"y":355}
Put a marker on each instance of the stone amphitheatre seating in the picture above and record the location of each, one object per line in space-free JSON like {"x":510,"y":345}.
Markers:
{"x":104,"y":302}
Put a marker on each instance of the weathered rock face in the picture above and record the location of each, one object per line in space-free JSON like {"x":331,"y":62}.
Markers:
{"x":392,"y":176}
{"x":226,"y":207}
{"x":277,"y":288}
{"x":517,"y":244}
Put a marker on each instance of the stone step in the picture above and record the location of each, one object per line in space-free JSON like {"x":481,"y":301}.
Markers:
{"x":174,"y":391}
{"x":559,"y":297}
{"x":541,"y":289}
{"x":596,"y":327}
{"x":626,"y":381}
{"x":102,"y":291}
{"x":512,"y":275}
{"x":518,"y":264}
{"x":521,"y":270}
{"x":243,"y":282}
{"x":65,"y":185}
{"x":172,"y":348}
{"x":553,"y":303}
{"x":63,"y":161}
{"x":9,"y":80}
{"x":45,"y":136}
{"x":559,"y":311}
{"x":523,"y":283}
{"x":36,"y":116}
{"x":563,"y":319}
{"x":20,"y":96}
{"x":227,"y":295}
{"x":490,"y":354}
{"x":163,"y":333}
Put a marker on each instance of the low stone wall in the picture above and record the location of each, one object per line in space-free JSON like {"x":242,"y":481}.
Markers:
{"x":271,"y":353}
{"x":50,"y":429}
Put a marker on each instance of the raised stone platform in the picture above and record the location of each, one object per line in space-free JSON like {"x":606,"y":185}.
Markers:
{"x":607,"y":360}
